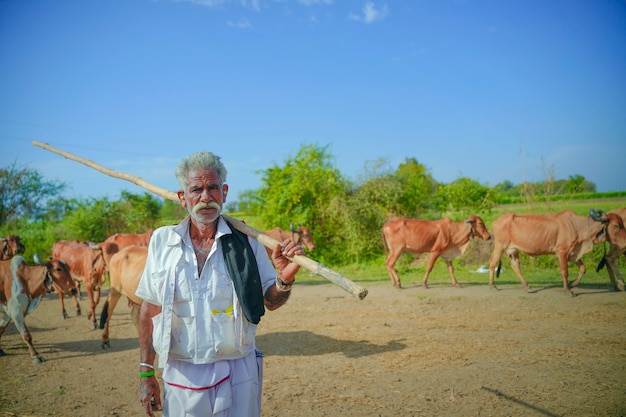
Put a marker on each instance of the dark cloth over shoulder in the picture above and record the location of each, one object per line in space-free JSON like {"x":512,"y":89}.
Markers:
{"x":243,"y":270}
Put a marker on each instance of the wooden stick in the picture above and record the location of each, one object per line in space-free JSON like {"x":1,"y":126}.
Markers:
{"x":308,"y":263}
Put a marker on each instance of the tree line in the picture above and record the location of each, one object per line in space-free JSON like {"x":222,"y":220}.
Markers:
{"x":307,"y":189}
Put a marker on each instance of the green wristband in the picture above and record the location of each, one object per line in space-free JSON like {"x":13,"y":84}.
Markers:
{"x":146,"y":374}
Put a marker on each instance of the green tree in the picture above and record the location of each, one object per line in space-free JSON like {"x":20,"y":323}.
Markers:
{"x":463,"y":194}
{"x":294,"y":192}
{"x":172,"y":212}
{"x":24,"y":193}
{"x":93,"y":220}
{"x":368,"y":208}
{"x":578,"y":184}
{"x":140,"y":212}
{"x":418,"y":187}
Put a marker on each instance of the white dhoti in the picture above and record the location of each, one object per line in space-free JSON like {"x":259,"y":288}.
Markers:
{"x":230,"y":388}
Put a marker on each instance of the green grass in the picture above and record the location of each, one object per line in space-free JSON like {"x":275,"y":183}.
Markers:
{"x":542,"y":271}
{"x":413,"y":275}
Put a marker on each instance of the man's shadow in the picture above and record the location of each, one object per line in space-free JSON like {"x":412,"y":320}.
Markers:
{"x":306,"y":343}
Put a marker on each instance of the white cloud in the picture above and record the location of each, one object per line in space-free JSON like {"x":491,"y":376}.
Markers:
{"x":371,"y":13}
{"x":314,"y":2}
{"x":205,"y":3}
{"x":240,"y":24}
{"x":253,"y":4}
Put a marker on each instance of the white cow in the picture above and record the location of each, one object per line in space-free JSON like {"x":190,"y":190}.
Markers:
{"x":21,"y":290}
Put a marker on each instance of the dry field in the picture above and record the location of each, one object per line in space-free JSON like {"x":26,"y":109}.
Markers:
{"x":441,"y":351}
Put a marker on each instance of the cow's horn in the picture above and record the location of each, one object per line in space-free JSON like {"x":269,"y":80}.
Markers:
{"x":597,"y":215}
{"x":291,"y":227}
{"x":37,"y":259}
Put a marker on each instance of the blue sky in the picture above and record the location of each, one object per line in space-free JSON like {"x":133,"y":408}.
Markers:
{"x":492,"y":90}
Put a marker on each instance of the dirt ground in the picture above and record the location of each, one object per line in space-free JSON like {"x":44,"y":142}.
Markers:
{"x":441,"y":351}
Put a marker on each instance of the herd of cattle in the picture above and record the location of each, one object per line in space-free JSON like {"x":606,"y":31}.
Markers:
{"x":565,"y":234}
{"x":123,"y":256}
{"x":74,"y":263}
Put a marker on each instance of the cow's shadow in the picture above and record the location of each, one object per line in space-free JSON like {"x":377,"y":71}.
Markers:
{"x":306,"y":343}
{"x":76,"y":349}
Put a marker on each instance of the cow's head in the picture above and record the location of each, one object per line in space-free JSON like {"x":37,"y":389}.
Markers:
{"x":58,"y":272}
{"x":11,"y":246}
{"x":304,"y":237}
{"x":99,"y":267}
{"x":613,"y":230}
{"x":599,"y":216}
{"x":477,"y":228}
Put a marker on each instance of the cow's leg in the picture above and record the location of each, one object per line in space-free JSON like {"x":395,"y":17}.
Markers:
{"x":4,"y":322}
{"x":611,"y":267}
{"x":62,"y":300}
{"x":107,"y":313}
{"x":493,"y":262}
{"x":581,"y":271}
{"x":76,"y":304}
{"x":96,"y":295}
{"x":390,"y":262}
{"x":515,"y":265}
{"x":455,"y":283}
{"x":20,"y":323}
{"x":565,"y":272}
{"x":78,"y":293}
{"x":92,"y":308}
{"x":134,"y":313}
{"x":429,"y":267}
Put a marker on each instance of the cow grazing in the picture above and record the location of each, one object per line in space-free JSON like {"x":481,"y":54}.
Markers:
{"x":125,"y":271}
{"x":301,"y":235}
{"x":87,"y":265}
{"x":615,"y":249}
{"x":565,"y":234}
{"x":442,"y":238}
{"x":10,"y":246}
{"x":21,"y":290}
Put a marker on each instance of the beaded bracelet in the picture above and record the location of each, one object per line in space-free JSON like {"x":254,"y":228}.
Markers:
{"x":147,"y":365}
{"x":146,"y":374}
{"x":283,"y":286}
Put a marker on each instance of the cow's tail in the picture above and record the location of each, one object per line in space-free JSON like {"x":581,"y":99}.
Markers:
{"x":498,"y":269}
{"x":105,"y":314}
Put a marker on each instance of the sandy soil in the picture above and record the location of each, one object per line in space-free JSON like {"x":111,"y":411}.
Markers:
{"x":441,"y":351}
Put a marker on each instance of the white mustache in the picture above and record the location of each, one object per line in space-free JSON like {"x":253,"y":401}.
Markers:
{"x":210,"y":204}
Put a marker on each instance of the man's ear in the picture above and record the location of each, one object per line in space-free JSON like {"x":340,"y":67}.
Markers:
{"x":181,"y":197}
{"x":225,"y":191}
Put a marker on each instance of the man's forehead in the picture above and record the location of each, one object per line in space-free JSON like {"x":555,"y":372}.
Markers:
{"x":203,"y":175}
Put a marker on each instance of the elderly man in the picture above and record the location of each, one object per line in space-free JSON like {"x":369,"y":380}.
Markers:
{"x":205,"y":287}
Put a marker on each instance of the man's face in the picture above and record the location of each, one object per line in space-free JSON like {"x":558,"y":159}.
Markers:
{"x":204,"y":196}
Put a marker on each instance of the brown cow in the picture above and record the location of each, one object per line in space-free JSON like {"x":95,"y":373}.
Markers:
{"x":107,"y":249}
{"x":10,"y":246}
{"x":124,"y":273}
{"x":127,"y":239}
{"x":565,"y":234}
{"x":87,"y":265}
{"x":21,"y":290}
{"x":301,"y":235}
{"x":615,"y":251}
{"x":442,"y":238}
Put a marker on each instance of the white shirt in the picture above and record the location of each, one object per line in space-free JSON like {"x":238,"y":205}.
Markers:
{"x":201,"y":321}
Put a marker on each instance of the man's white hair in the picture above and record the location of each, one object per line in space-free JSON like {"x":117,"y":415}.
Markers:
{"x":199,"y":161}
